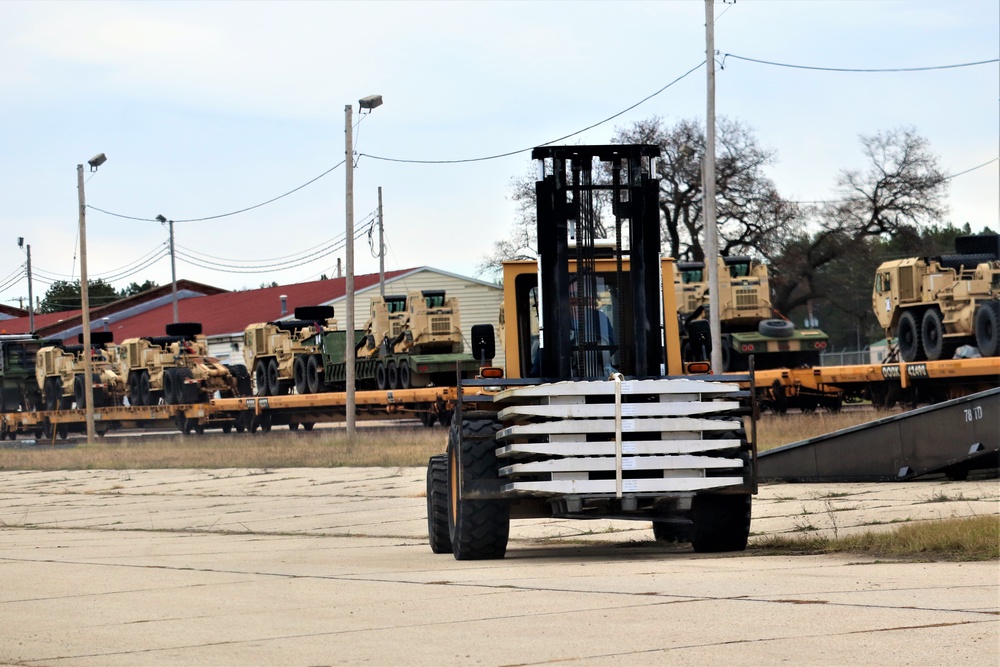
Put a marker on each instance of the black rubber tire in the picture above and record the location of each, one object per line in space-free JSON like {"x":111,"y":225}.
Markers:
{"x":264,"y":420}
{"x":314,"y":374}
{"x":932,"y":334}
{"x":260,"y":374}
{"x":134,"y":397}
{"x":273,"y":381}
{"x":145,"y":391}
{"x":721,"y":522}
{"x":184,"y":391}
{"x":381,"y":376}
{"x":300,"y":373}
{"x":62,"y":431}
{"x":671,"y":533}
{"x":479,"y":529}
{"x":314,"y":313}
{"x":404,"y":374}
{"x":987,"y":331}
{"x":53,"y":390}
{"x":908,"y":337}
{"x":392,"y":375}
{"x":227,"y":428}
{"x":776,"y":328}
{"x":437,"y":504}
{"x":308,"y":426}
{"x":293,"y":426}
{"x":170,"y":387}
{"x":244,"y":387}
{"x":185,"y":329}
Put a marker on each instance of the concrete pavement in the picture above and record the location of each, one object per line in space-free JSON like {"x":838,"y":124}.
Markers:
{"x":331,"y":566}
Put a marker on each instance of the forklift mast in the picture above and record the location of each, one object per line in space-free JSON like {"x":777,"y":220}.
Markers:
{"x":575,"y":183}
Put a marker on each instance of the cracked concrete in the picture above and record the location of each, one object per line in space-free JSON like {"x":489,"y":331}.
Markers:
{"x":331,"y":566}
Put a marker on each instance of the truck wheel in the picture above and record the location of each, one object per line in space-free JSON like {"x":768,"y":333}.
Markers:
{"x":300,"y":373}
{"x":392,"y":374}
{"x":908,"y":337}
{"x":62,"y":431}
{"x":273,"y":381}
{"x":479,"y":528}
{"x":314,"y":371}
{"x":932,"y":334}
{"x":242,"y":377}
{"x":184,"y":391}
{"x":721,"y":522}
{"x":79,"y":392}
{"x":134,"y":397}
{"x":381,"y":376}
{"x":260,"y":374}
{"x":170,"y":387}
{"x":437,"y":504}
{"x":53,"y":391}
{"x":404,"y":374}
{"x":670,"y":533}
{"x":776,"y":328}
{"x":987,"y":335}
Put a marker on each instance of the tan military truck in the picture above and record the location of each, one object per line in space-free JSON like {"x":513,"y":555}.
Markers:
{"x":59,"y":370}
{"x":417,"y":340}
{"x":286,"y":354}
{"x":747,"y":321}
{"x":177,"y":369}
{"x":933,"y":305}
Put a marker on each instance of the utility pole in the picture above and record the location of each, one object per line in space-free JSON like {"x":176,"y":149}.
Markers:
{"x":381,"y":247}
{"x":711,"y":230}
{"x":349,"y":282}
{"x":173,"y":267}
{"x":31,"y":298}
{"x":88,"y":371}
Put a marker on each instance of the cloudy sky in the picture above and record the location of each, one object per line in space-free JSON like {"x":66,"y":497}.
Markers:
{"x":204,"y":109}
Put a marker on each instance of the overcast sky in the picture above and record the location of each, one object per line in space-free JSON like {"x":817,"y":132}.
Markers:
{"x":208,"y":108}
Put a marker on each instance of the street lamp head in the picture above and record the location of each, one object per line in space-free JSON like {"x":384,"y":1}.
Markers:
{"x":20,"y":241}
{"x":160,"y":218}
{"x":370,"y":102}
{"x":97,"y":161}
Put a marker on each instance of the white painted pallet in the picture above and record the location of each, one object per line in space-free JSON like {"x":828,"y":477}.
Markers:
{"x":592,"y":410}
{"x":641,"y":447}
{"x":650,"y":486}
{"x":601,"y":463}
{"x":607,"y":388}
{"x":637,"y":425}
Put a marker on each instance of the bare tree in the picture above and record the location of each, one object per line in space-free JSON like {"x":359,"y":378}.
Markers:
{"x":751,"y":214}
{"x":901,"y":189}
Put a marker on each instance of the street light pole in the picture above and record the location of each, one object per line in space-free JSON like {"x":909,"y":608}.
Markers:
{"x":349,"y":282}
{"x":369,"y":103}
{"x":88,"y":370}
{"x":31,"y":295}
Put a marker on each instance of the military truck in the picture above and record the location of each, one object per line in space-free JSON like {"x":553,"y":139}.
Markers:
{"x":59,"y":371}
{"x":933,"y":305}
{"x":747,"y":320}
{"x":286,"y":354}
{"x":19,"y":391}
{"x":176,"y":368}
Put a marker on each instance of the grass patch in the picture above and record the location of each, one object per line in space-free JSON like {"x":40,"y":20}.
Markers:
{"x":960,"y":539}
{"x":777,"y":430}
{"x":322,"y":448}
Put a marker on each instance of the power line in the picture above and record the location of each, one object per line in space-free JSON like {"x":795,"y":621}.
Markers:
{"x":523,"y":150}
{"x":223,"y":215}
{"x":55,"y":274}
{"x":842,"y":201}
{"x":849,"y":69}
